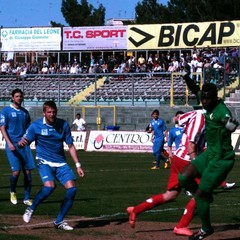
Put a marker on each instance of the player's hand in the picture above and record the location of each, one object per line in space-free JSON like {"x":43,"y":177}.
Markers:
{"x":231,"y":124}
{"x":80,"y":172}
{"x":23,"y":142}
{"x":11,"y":147}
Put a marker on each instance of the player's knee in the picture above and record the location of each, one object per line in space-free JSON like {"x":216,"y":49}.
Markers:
{"x":46,"y":191}
{"x":71,"y":192}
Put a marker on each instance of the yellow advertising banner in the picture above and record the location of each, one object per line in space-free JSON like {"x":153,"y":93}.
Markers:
{"x":183,"y":35}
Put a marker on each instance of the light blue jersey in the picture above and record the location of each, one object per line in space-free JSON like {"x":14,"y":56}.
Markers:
{"x":16,"y":121}
{"x":49,"y":140}
{"x":175,"y":135}
{"x":158,"y":127}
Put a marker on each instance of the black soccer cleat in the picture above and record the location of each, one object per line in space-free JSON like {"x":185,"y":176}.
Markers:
{"x":201,"y":234}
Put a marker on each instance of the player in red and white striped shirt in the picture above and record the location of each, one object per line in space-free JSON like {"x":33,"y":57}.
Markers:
{"x":193,"y":123}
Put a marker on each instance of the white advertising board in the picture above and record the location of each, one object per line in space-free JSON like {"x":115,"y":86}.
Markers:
{"x":31,"y":39}
{"x":95,"y":38}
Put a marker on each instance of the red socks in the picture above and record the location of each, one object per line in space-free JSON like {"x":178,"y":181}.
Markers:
{"x":188,"y":214}
{"x":150,"y":203}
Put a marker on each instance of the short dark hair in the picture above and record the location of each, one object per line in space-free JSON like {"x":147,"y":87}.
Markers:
{"x":50,"y":104}
{"x":179,"y":112}
{"x":17,"y":90}
{"x":155,"y":111}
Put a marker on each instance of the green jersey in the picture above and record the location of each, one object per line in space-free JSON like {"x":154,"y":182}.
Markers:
{"x":218,"y":137}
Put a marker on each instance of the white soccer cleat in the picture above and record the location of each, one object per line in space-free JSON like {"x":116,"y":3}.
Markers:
{"x":229,"y":185}
{"x":27,"y":215}
{"x":63,"y":226}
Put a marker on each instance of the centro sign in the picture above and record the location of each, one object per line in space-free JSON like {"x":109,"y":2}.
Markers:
{"x":128,"y":138}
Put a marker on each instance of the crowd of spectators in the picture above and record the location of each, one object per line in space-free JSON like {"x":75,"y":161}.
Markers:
{"x":197,"y":59}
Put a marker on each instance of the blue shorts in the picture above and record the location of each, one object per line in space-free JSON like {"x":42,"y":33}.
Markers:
{"x":62,"y":174}
{"x":21,"y":158}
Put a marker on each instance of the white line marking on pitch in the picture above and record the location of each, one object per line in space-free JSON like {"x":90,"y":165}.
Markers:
{"x":102,"y":217}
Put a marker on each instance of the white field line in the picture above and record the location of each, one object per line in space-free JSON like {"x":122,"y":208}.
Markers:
{"x":102,"y":217}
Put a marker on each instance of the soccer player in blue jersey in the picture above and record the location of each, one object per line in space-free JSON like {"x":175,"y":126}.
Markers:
{"x":175,"y":135}
{"x":49,"y":134}
{"x":158,"y":127}
{"x":14,"y":120}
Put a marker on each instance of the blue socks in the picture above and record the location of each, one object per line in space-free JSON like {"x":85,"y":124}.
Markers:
{"x":67,"y":204}
{"x":44,"y":193}
{"x":27,"y":185}
{"x":13,"y":183}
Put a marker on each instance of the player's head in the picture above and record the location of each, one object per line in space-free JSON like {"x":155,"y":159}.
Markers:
{"x":209,"y":96}
{"x":78,"y":115}
{"x":17,"y":96}
{"x":155,"y":114}
{"x":50,"y":112}
{"x":177,"y":114}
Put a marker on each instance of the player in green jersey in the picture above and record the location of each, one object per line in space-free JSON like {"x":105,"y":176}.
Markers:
{"x":216,"y":162}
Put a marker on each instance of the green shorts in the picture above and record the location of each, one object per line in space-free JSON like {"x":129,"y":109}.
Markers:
{"x":213,"y":171}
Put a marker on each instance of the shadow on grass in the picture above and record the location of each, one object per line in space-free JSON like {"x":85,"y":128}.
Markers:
{"x":99,"y":223}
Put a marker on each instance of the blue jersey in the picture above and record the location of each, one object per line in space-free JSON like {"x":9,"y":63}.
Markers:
{"x":49,"y":140}
{"x":175,"y":135}
{"x":158,"y":127}
{"x":16,"y":121}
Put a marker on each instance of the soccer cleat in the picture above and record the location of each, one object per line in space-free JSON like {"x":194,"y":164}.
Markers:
{"x":155,"y":168}
{"x":27,"y":215}
{"x":183,"y":231}
{"x":63,"y":226}
{"x":229,"y":185}
{"x":132,"y":216}
{"x":200,"y":235}
{"x":28,"y":202}
{"x":13,"y":198}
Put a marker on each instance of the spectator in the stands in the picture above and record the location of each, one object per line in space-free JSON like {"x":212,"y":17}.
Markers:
{"x":44,"y":69}
{"x":141,"y":60}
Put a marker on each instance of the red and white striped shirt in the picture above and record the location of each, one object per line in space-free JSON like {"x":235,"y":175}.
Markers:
{"x":193,"y":123}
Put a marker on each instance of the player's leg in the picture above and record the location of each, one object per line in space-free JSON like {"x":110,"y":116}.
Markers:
{"x":15,"y":165}
{"x":212,"y":176}
{"x":67,"y":178}
{"x":13,"y":183}
{"x":172,"y":192}
{"x":187,"y":178}
{"x":27,"y":187}
{"x":156,"y":153}
{"x":27,"y":165}
{"x":155,"y":200}
{"x":67,"y":203}
{"x":47,"y":175}
{"x":182,"y":226}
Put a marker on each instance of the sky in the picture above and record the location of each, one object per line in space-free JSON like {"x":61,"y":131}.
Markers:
{"x":36,"y":13}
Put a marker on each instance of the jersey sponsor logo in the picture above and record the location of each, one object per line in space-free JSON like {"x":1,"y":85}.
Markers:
{"x":14,"y":114}
{"x":44,"y":132}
